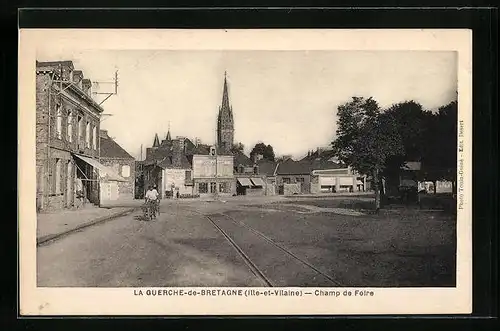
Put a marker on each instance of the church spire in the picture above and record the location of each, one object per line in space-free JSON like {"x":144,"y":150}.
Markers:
{"x":225,"y":95}
{"x":225,"y":121}
{"x":168,"y":133}
{"x":156,"y":142}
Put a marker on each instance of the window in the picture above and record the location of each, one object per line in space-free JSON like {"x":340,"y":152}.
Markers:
{"x":299,"y":179}
{"x":203,"y":188}
{"x":70,"y":126}
{"x":87,"y":134}
{"x":59,"y":118}
{"x":188,"y":174}
{"x":80,"y":128}
{"x":126,"y":171}
{"x":58,"y":177}
{"x":213,"y":187}
{"x":94,"y":137}
{"x":286,"y":180}
{"x":224,"y":187}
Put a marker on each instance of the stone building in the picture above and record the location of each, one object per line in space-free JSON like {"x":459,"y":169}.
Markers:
{"x":122,"y":163}
{"x":213,"y":175}
{"x":67,"y":126}
{"x":317,"y":176}
{"x":167,"y":166}
{"x":267,"y":170}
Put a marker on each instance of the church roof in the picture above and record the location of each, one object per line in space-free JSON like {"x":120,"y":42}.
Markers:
{"x":156,"y":141}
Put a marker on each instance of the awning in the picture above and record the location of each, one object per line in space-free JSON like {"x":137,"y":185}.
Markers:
{"x":258,"y":181}
{"x":327,"y":181}
{"x":346,"y":181}
{"x":244,"y":181}
{"x":103,"y":170}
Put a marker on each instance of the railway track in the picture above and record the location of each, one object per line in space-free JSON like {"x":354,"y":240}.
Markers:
{"x":302,"y":267}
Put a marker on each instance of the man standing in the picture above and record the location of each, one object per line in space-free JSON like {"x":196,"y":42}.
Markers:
{"x":151,"y":197}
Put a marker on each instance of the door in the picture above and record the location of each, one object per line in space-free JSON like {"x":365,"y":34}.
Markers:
{"x":69,"y":185}
{"x":109,"y":191}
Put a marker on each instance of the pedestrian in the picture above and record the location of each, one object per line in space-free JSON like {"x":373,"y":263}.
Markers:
{"x":151,"y":196}
{"x":79,"y":192}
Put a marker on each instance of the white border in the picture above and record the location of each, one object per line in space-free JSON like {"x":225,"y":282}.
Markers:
{"x":111,"y":301}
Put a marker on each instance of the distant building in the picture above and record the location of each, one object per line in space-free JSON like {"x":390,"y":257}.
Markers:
{"x":67,"y":144}
{"x":122,"y":163}
{"x":210,"y":178}
{"x":317,"y":176}
{"x":267,"y":171}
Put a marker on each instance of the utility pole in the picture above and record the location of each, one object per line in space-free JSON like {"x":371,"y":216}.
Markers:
{"x":216,"y":195}
{"x":108,"y":94}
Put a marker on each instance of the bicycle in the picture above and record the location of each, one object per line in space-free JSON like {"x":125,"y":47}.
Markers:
{"x":149,"y":210}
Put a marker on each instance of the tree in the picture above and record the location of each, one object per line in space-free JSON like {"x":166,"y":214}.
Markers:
{"x":266,"y":151}
{"x":410,"y":122}
{"x":365,"y":139}
{"x":237,"y":147}
{"x":440,"y":156}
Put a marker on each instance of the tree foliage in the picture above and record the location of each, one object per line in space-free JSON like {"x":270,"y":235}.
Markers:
{"x":378,"y":142}
{"x":439,"y":161}
{"x":266,"y":151}
{"x":238,"y":147}
{"x":366,"y":139}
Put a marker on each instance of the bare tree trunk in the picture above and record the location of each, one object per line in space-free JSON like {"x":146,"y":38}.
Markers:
{"x":434,"y":185}
{"x":376,"y":182}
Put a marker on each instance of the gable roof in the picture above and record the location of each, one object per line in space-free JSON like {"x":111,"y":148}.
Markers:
{"x":267,"y":167}
{"x":241,"y":159}
{"x":111,"y":149}
{"x":169,"y":163}
{"x":305,"y":167}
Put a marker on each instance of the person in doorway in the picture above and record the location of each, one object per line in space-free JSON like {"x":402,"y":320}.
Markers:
{"x":79,"y":192}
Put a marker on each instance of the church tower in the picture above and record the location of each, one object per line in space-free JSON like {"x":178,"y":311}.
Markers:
{"x":225,"y":121}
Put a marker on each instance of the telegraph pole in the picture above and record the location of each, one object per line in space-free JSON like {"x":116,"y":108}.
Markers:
{"x":216,"y":195}
{"x":108,"y":94}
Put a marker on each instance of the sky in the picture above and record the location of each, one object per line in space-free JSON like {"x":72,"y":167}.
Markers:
{"x":287,"y":99}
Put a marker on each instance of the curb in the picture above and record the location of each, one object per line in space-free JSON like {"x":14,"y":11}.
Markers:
{"x":102,"y":219}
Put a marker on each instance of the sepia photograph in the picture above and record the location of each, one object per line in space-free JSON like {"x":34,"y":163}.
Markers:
{"x":229,"y":171}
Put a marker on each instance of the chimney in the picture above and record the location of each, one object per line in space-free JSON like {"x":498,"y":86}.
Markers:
{"x":182,"y":145}
{"x":103,"y":134}
{"x":67,"y":69}
{"x":177,"y":151}
{"x":87,"y":86}
{"x":77,"y":78}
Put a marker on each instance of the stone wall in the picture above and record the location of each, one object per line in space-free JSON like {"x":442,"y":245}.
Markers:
{"x":291,"y":189}
{"x":126,"y":189}
{"x":52,"y":129}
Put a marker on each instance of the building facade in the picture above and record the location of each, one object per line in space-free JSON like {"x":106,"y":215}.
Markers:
{"x":211,"y":177}
{"x":67,"y":126}
{"x":122,"y":163}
